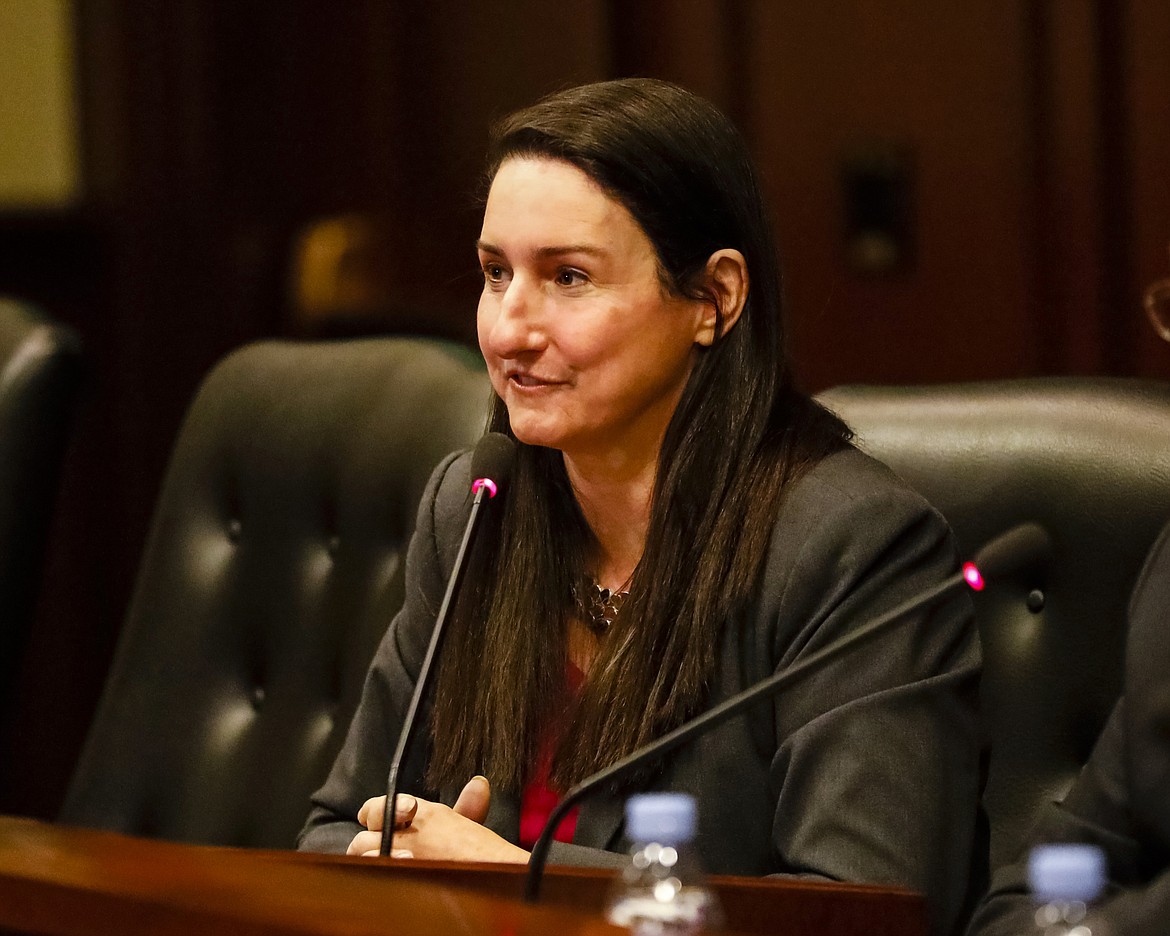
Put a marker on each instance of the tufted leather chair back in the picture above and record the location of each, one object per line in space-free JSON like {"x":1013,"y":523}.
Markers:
{"x":274,"y":565}
{"x":1089,"y":459}
{"x":40,"y":371}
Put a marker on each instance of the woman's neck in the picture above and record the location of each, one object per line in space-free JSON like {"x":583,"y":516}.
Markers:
{"x":615,"y":500}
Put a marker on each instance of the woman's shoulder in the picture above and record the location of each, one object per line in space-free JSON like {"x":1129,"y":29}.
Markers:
{"x":451,"y":484}
{"x":847,"y":479}
{"x":846,"y":512}
{"x":447,"y":502}
{"x":850,"y":534}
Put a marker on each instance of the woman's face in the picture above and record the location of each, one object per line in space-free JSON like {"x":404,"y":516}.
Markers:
{"x":583,"y":344}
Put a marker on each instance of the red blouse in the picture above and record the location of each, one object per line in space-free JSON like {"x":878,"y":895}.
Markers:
{"x":538,"y":801}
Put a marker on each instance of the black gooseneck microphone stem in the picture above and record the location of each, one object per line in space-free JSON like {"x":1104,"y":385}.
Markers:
{"x":420,"y":686}
{"x":716,"y":715}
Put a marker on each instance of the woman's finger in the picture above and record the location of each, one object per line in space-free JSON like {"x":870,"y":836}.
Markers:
{"x":405,"y":811}
{"x":364,"y":843}
{"x":373,"y":811}
{"x":370,"y":815}
{"x":473,"y":802}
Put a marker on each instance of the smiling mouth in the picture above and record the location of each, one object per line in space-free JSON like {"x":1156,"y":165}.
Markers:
{"x":529,"y":381}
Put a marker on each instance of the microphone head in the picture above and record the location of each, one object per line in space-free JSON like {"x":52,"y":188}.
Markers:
{"x":1023,"y":545}
{"x":491,"y":462}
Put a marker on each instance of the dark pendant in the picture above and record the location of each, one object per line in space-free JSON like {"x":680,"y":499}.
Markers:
{"x":599,"y":607}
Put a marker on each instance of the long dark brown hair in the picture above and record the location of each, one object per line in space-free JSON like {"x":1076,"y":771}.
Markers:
{"x":740,"y":437}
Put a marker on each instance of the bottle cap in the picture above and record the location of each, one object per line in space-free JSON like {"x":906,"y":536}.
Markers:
{"x":1066,"y":872}
{"x":666,"y":818}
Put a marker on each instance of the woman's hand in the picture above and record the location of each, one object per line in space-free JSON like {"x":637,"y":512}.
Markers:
{"x":372,"y":815}
{"x":423,"y":829}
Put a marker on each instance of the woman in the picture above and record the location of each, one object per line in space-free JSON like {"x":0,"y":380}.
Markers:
{"x":681,"y":523}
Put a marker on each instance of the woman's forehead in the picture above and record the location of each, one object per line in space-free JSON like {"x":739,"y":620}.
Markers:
{"x":545,"y":205}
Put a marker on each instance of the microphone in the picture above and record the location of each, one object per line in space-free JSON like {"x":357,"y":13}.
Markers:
{"x":491,"y":463}
{"x":1020,"y":546}
{"x":1023,"y":545}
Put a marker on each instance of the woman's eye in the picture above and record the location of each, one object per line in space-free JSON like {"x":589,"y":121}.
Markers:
{"x":493,"y":272}
{"x":570,"y":277}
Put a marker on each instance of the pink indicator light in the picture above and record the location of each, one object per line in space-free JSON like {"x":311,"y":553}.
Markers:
{"x":971,"y":574}
{"x":484,"y":483}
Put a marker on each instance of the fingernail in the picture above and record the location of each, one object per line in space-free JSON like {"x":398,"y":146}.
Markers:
{"x":405,"y":802}
{"x":401,"y":853}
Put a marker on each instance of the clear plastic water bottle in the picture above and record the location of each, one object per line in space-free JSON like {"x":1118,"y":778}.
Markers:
{"x":662,"y":891}
{"x":1065,"y":880}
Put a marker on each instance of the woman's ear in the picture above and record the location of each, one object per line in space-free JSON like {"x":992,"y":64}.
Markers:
{"x":727,"y":284}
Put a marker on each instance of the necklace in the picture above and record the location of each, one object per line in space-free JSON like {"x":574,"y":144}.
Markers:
{"x":599,"y":606}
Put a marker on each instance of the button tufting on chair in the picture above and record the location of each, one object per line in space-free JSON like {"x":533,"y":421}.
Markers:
{"x":1089,"y":460}
{"x":290,"y":450}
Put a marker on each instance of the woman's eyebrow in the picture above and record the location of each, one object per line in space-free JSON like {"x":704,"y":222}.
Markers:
{"x":590,"y":250}
{"x":554,"y":250}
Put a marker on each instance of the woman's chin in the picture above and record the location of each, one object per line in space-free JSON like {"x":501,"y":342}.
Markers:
{"x":543,"y":437}
{"x":533,"y":429}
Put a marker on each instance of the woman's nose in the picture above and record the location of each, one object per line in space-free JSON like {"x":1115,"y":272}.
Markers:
{"x":515,"y":327}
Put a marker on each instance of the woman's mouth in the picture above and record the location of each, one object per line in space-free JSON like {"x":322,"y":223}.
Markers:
{"x":530,"y":381}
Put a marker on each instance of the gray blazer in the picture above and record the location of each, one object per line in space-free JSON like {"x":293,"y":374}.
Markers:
{"x":866,"y":770}
{"x":1121,"y":800}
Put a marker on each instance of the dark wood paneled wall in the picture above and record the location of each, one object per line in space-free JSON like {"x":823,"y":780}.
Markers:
{"x":1029,"y":139}
{"x":1146,"y":88}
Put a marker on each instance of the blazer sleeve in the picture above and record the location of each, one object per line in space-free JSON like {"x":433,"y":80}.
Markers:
{"x":878,"y":757}
{"x":361,"y":768}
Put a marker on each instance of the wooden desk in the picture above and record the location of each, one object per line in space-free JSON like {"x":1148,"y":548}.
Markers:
{"x":79,"y":882}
